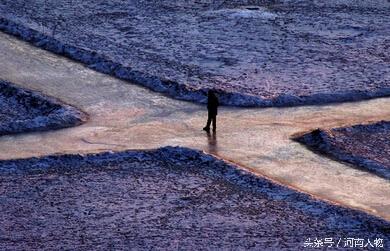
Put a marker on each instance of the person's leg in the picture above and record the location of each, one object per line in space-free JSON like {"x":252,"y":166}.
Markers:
{"x":207,"y":127}
{"x":214,"y":123}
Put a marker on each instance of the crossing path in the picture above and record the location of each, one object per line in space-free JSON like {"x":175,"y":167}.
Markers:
{"x":125,"y":116}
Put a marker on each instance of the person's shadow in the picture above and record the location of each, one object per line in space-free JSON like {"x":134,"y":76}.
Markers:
{"x":212,"y":142}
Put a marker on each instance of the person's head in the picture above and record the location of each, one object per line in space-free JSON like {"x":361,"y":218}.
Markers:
{"x":211,"y":93}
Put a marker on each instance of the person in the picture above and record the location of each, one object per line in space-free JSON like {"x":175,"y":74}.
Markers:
{"x":212,"y":107}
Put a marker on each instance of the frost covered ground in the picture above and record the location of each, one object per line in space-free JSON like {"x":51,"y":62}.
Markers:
{"x":257,"y":53}
{"x":24,"y":111}
{"x":366,"y":146}
{"x":170,"y":198}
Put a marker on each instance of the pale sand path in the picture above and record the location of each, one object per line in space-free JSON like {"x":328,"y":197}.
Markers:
{"x":126,"y":116}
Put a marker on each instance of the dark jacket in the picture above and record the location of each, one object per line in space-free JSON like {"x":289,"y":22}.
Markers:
{"x":212,"y":104}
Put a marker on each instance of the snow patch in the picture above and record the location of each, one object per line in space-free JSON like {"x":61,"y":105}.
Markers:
{"x":244,"y":12}
{"x":196,"y":161}
{"x":314,"y":52}
{"x":26,"y":111}
{"x":340,"y":143}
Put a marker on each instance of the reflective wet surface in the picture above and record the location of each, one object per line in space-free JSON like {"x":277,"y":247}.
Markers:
{"x":125,"y":116}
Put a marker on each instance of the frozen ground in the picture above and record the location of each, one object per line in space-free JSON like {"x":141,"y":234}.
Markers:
{"x":171,"y":198}
{"x":125,"y":116}
{"x":24,"y":111}
{"x":274,"y":53}
{"x":366,"y":146}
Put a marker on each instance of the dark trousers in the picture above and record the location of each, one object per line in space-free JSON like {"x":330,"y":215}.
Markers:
{"x":213,"y":118}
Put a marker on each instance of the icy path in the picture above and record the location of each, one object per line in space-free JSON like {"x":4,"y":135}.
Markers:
{"x":126,"y":116}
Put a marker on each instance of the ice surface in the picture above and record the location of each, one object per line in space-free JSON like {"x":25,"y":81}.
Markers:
{"x":366,"y":146}
{"x":24,"y":111}
{"x":124,"y":116}
{"x":170,"y":198}
{"x":256,"y":53}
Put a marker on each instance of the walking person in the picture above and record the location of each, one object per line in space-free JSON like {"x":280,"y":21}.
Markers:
{"x":212,"y":107}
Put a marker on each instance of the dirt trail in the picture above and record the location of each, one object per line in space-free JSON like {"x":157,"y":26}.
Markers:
{"x":126,"y":116}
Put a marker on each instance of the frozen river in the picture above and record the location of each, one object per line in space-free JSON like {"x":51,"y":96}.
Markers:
{"x":126,"y":116}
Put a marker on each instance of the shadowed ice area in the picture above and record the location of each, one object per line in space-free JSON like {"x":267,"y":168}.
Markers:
{"x":169,"y":198}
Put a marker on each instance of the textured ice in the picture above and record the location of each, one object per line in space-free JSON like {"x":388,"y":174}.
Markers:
{"x":24,"y":111}
{"x":256,"y":53}
{"x":170,"y":199}
{"x":366,"y":146}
